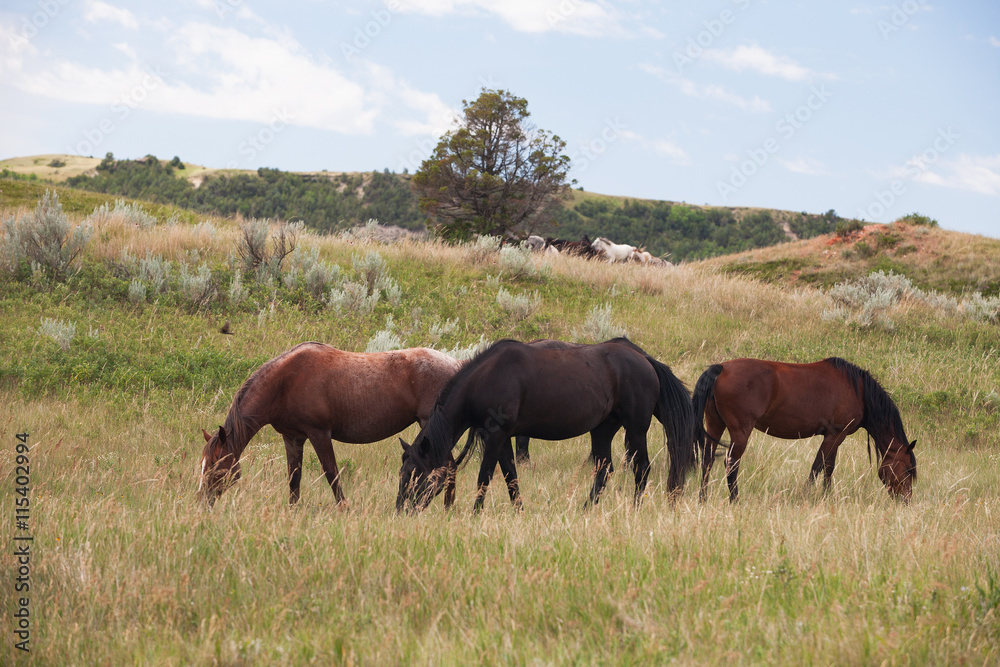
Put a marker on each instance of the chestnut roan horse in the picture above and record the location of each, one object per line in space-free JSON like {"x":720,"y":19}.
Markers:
{"x":832,"y":398}
{"x":321,"y":393}
{"x":513,"y":389}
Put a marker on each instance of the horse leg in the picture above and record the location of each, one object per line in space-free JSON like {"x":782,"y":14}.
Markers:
{"x":826,"y":458}
{"x":293,"y":454}
{"x":324,"y":450}
{"x":486,"y":469}
{"x":714,"y":426}
{"x":509,"y":471}
{"x":522,"y":449}
{"x":600,"y":451}
{"x":635,"y":447}
{"x":736,"y":449}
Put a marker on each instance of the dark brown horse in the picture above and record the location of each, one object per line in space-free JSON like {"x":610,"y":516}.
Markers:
{"x":513,"y":389}
{"x":321,"y":393}
{"x":832,"y":398}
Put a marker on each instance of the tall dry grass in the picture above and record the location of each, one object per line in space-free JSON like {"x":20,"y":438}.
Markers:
{"x":129,"y":568}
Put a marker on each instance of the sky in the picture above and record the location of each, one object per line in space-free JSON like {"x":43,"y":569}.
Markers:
{"x":874,"y":110}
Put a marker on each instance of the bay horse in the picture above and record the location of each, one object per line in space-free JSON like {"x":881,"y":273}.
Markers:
{"x":516,"y":389}
{"x":321,"y":393}
{"x":832,"y":398}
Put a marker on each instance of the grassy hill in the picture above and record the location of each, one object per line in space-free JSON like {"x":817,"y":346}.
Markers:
{"x":933,"y":258}
{"x":116,"y":367}
{"x":328,"y":201}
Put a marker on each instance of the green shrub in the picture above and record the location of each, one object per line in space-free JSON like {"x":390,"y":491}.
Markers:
{"x":918,"y":219}
{"x":847,"y":227}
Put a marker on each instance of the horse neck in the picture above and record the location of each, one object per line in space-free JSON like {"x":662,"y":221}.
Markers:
{"x":444,"y":427}
{"x":243,"y":422}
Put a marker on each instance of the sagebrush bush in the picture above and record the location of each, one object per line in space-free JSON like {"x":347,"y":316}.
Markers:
{"x":198,"y":288}
{"x":136,"y":291}
{"x":49,"y":240}
{"x":352,"y":297}
{"x":61,"y":332}
{"x":521,"y":306}
{"x":152,"y":269}
{"x":867,"y":301}
{"x":598,"y":326}
{"x":129,"y":213}
{"x":517,"y":261}
{"x":237,"y":293}
{"x":11,"y":247}
{"x":385,"y":339}
{"x":440,"y":329}
{"x":483,"y":248}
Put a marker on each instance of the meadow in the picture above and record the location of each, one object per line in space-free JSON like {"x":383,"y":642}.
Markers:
{"x":128,"y":567}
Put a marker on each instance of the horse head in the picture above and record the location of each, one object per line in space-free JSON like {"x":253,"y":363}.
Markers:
{"x":220,"y":467}
{"x":898,"y":469}
{"x":419,"y":481}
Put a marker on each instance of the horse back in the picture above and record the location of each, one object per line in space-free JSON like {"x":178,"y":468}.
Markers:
{"x":358,"y":397}
{"x":787,"y":400}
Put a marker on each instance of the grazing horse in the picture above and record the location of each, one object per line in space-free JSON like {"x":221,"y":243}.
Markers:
{"x":832,"y":398}
{"x":514,"y":389}
{"x":615,"y":252}
{"x":583,"y":247}
{"x":321,"y":393}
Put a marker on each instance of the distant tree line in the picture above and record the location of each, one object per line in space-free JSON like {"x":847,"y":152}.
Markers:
{"x":324,"y":202}
{"x":329,"y":203}
{"x":685,"y":232}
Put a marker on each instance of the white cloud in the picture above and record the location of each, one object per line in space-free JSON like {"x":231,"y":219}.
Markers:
{"x":974,"y":173}
{"x":97,"y":11}
{"x":757,"y":59}
{"x":706,"y":91}
{"x":574,"y":16}
{"x":663,"y":147}
{"x":219,"y":72}
{"x":803,"y":165}
{"x":994,"y":41}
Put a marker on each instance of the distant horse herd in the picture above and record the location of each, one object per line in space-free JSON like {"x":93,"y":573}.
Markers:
{"x":551,"y":390}
{"x":599,"y":248}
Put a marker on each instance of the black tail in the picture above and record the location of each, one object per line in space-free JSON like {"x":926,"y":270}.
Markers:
{"x":677,"y":417}
{"x":702,"y":392}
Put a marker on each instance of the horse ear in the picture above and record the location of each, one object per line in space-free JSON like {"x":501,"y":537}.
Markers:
{"x":912,"y":445}
{"x":222,"y":434}
{"x":404,"y":445}
{"x":208,"y":438}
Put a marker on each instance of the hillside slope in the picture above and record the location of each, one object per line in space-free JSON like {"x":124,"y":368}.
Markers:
{"x":328,"y":201}
{"x":933,"y":258}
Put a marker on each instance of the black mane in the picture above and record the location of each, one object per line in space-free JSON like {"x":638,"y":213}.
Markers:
{"x":881,"y":418}
{"x":468,"y":367}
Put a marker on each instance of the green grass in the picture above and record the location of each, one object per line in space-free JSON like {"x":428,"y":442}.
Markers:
{"x":129,"y":568}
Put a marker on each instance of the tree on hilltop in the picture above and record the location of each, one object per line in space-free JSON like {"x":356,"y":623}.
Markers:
{"x":495,"y":173}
